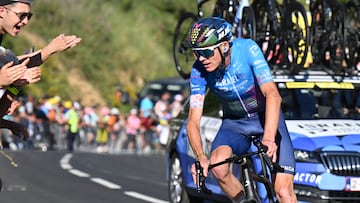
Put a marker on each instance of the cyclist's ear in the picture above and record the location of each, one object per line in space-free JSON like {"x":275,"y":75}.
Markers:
{"x":226,"y":46}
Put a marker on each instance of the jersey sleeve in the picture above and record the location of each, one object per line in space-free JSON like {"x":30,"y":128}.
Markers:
{"x":258,"y":63}
{"x":197,"y":80}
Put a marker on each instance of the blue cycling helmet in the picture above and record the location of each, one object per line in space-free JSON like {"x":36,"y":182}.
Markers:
{"x":209,"y":31}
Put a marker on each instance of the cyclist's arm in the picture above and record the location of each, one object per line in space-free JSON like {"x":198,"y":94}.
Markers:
{"x":193,"y":125}
{"x":272,"y":114}
{"x":264,"y":78}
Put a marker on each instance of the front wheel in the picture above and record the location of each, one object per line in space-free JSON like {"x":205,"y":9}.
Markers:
{"x":176,"y":190}
{"x":183,"y":55}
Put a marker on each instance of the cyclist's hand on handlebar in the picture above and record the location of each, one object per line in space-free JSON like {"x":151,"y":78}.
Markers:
{"x":204,"y":162}
{"x":272,"y":149}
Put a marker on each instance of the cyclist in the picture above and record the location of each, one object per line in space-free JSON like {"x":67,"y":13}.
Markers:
{"x":238,"y":73}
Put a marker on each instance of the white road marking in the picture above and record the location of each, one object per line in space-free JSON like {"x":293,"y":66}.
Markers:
{"x":105,"y":183}
{"x":144,"y":197}
{"x":64,"y":163}
{"x":79,"y":173}
{"x":66,"y":166}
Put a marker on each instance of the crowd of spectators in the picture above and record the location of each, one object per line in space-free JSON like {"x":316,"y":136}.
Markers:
{"x":54,"y":124}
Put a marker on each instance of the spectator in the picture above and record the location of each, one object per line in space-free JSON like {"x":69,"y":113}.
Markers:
{"x":146,"y":105}
{"x":148,"y":132}
{"x":162,"y":104}
{"x":71,"y":119}
{"x":89,"y":123}
{"x":176,"y":106}
{"x":102,"y":136}
{"x":133,"y":124}
{"x":116,"y":125}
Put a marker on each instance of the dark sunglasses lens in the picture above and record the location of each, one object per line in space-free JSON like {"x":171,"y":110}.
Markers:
{"x":207,"y":53}
{"x":25,"y":15}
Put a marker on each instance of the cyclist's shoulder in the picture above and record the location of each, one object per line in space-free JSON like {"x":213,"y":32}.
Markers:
{"x":243,"y":45}
{"x":243,"y":42}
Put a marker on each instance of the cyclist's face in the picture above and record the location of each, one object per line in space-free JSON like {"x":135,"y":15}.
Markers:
{"x":213,"y":60}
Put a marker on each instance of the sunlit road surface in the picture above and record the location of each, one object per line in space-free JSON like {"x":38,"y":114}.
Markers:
{"x":60,"y":177}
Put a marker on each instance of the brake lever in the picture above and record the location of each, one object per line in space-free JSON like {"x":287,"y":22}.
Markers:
{"x":198,"y":174}
{"x":272,"y":165}
{"x":200,"y":179}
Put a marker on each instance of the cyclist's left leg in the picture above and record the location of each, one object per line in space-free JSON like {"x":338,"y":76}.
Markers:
{"x":229,"y":140}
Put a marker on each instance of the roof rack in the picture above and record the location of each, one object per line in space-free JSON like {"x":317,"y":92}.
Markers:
{"x":313,"y":74}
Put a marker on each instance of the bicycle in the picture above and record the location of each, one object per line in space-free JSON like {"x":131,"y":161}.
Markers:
{"x":282,"y":31}
{"x":239,"y":13}
{"x":328,"y":34}
{"x":352,"y":37}
{"x":250,"y":179}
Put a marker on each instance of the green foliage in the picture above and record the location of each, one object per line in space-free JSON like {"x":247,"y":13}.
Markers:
{"x":124,"y":42}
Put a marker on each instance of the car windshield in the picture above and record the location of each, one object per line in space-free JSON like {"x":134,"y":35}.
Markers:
{"x":157,"y":89}
{"x":320,"y":100}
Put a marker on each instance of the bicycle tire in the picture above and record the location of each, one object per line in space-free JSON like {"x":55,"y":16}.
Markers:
{"x":337,"y":39}
{"x":248,"y":24}
{"x":267,"y":36}
{"x":328,"y":36}
{"x":352,"y":36}
{"x":182,"y":53}
{"x":316,"y":29}
{"x":296,"y":35}
{"x":221,"y":10}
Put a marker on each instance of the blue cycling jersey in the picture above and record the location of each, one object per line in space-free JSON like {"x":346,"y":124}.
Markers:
{"x":237,"y":85}
{"x":238,"y":89}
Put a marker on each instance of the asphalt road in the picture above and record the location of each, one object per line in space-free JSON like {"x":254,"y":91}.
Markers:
{"x":58,"y":177}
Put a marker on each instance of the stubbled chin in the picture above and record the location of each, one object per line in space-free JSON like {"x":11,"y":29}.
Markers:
{"x":209,"y":68}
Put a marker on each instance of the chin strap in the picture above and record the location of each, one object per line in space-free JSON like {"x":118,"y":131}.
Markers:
{"x":223,"y":56}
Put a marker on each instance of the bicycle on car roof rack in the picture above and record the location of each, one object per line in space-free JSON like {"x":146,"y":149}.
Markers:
{"x":237,"y":12}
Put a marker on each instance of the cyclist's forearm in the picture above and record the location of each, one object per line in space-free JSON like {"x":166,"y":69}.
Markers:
{"x":193,"y":132}
{"x":272,"y":115}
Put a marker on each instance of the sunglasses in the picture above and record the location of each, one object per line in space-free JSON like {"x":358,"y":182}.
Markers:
{"x":21,"y":15}
{"x":206,"y":52}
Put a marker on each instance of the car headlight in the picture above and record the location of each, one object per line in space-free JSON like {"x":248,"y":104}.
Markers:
{"x":305,"y":156}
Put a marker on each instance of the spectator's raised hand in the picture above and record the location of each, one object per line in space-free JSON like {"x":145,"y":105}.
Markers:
{"x":31,"y":75}
{"x":63,"y":42}
{"x":13,"y":106}
{"x":9,"y":73}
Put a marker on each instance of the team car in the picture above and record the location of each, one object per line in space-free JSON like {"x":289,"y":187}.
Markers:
{"x":322,"y":113}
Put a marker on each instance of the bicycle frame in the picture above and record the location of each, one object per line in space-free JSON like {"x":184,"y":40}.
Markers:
{"x":248,"y":176}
